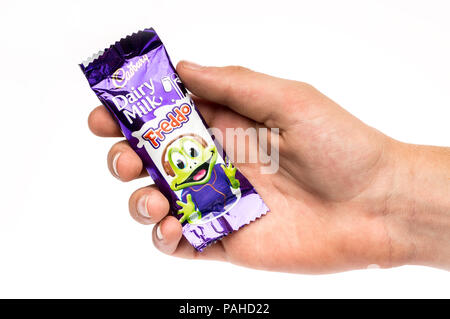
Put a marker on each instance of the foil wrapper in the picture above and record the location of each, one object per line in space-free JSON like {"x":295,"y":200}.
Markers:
{"x":136,"y":81}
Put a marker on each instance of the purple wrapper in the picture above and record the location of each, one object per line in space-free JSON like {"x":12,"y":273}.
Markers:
{"x":136,"y":81}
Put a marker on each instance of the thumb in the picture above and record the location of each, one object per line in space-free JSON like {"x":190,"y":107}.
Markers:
{"x":257,"y":96}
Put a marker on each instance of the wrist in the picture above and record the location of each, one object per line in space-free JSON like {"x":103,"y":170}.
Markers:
{"x":417,"y":205}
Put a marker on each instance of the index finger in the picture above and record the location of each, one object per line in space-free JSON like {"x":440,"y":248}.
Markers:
{"x":102,"y":124}
{"x":258,"y":96}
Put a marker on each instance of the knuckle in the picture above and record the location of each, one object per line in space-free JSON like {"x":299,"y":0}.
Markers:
{"x":236,"y":69}
{"x":306,"y":88}
{"x":298,"y":93}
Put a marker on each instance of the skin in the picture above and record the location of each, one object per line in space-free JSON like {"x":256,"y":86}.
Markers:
{"x":345,"y":197}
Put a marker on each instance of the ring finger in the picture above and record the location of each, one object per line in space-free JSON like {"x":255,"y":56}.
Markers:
{"x":148,"y":205}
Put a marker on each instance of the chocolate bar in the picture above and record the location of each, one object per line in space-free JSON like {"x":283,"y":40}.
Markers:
{"x":136,"y":81}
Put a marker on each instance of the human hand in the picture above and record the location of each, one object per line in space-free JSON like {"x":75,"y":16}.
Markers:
{"x":340,"y":200}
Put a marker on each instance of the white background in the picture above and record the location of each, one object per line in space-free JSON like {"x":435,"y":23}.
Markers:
{"x":64,"y":224}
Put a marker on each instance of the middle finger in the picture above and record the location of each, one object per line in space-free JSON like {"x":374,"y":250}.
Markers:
{"x":124,"y":163}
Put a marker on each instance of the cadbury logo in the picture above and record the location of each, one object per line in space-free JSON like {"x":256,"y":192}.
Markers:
{"x":122,"y":75}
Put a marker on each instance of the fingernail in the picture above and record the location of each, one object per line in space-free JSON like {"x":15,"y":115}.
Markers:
{"x":114,"y":165}
{"x":191,"y":65}
{"x":158,"y":232}
{"x":373,"y":266}
{"x":142,"y":208}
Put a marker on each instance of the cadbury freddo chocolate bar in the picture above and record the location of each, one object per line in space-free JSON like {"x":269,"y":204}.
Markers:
{"x":136,"y":81}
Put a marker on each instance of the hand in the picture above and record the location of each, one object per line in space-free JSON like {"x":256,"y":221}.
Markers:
{"x":345,"y":196}
{"x":230,"y":171}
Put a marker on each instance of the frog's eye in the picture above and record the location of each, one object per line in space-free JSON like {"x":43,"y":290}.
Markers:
{"x":178,"y":159}
{"x":191,"y":149}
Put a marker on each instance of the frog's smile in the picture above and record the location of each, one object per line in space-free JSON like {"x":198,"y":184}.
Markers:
{"x":199,"y":174}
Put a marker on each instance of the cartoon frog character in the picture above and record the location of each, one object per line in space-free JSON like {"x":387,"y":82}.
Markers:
{"x":206,"y":187}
